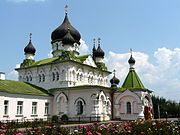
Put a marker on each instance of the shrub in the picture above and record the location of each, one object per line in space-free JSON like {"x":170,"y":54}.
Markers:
{"x":64,"y":118}
{"x":55,"y":118}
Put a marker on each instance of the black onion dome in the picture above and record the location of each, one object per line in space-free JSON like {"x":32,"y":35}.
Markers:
{"x":99,"y":52}
{"x":68,"y":39}
{"x":62,"y":30}
{"x":29,"y":48}
{"x":94,"y":49}
{"x":114,"y":80}
{"x":131,"y":60}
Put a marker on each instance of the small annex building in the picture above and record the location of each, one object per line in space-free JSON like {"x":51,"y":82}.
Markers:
{"x":71,"y":84}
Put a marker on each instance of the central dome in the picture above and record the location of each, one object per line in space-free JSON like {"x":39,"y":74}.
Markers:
{"x":59,"y":33}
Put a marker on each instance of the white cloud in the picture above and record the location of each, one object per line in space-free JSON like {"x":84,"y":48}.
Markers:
{"x":161,"y":77}
{"x":26,"y":0}
{"x":13,"y":75}
{"x":50,"y":54}
{"x":83,"y":47}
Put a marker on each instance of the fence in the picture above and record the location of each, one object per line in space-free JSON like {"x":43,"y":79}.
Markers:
{"x":25,"y":123}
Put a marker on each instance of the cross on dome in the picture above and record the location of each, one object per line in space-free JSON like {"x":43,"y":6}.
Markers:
{"x":30,"y":36}
{"x":66,"y":9}
{"x":114,"y":72}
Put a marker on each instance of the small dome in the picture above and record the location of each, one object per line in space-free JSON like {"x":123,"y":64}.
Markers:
{"x":131,"y":60}
{"x":99,"y":52}
{"x":62,"y":30}
{"x":29,"y":49}
{"x":114,"y":80}
{"x":68,"y":39}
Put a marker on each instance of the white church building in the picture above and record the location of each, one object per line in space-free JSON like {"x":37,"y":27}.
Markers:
{"x":72,"y":84}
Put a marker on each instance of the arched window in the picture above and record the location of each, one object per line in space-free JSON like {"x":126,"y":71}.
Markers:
{"x":128,"y":105}
{"x":62,"y":102}
{"x":53,"y":76}
{"x":57,"y":76}
{"x":92,"y":80}
{"x":39,"y":78}
{"x":81,"y":77}
{"x":79,"y":107}
{"x":78,"y":77}
{"x":43,"y":77}
{"x":30,"y":78}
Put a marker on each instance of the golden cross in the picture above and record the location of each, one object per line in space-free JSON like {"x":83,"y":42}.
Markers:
{"x":131,"y":50}
{"x":99,"y":41}
{"x":66,"y":9}
{"x":30,"y":36}
{"x":114,"y":71}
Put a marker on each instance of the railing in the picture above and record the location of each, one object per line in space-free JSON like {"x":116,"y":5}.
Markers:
{"x":37,"y":122}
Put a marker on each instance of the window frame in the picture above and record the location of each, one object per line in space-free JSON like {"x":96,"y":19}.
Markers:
{"x":19,"y":110}
{"x":46,"y":111}
{"x":6,"y":107}
{"x":128,"y":108}
{"x":34,"y":108}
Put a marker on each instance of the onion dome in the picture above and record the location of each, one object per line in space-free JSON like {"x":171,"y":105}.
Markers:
{"x":114,"y":81}
{"x":131,"y":60}
{"x":62,"y":30}
{"x":99,"y":52}
{"x":29,"y":49}
{"x":68,"y":39}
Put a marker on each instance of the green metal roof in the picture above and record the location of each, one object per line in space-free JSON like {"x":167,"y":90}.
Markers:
{"x":45,"y":61}
{"x":67,"y":56}
{"x":132,"y":81}
{"x":16,"y":87}
{"x":80,"y":59}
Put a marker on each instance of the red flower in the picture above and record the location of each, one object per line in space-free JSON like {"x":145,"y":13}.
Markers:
{"x":89,"y":133}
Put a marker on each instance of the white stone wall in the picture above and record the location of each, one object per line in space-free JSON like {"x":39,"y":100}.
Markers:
{"x":137,"y":100}
{"x":29,"y":56}
{"x":70,"y":74}
{"x":91,"y":108}
{"x":58,"y":48}
{"x":27,"y":106}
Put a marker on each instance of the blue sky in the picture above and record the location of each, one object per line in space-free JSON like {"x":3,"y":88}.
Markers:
{"x":150,"y":27}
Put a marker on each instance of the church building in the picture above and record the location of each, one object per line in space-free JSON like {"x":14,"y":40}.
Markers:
{"x":72,"y":84}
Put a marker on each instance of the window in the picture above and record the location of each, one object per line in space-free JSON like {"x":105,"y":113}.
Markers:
{"x":79,"y":107}
{"x":20,"y":107}
{"x":53,"y":76}
{"x":39,"y":78}
{"x":43,"y":77}
{"x":57,"y":74}
{"x":6,"y":103}
{"x":34,"y":107}
{"x":128,"y":108}
{"x":46,"y":108}
{"x":30,"y":78}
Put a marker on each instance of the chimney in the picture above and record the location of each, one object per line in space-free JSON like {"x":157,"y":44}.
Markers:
{"x":2,"y":76}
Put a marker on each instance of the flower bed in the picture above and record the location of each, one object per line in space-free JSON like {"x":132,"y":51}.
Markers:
{"x":118,"y":128}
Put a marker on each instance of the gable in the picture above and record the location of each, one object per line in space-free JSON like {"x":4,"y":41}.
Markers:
{"x":89,"y":61}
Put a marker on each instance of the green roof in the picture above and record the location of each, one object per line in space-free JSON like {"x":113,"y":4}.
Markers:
{"x":16,"y":87}
{"x":82,"y":58}
{"x":45,"y":61}
{"x":66,"y":56}
{"x":132,"y":81}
